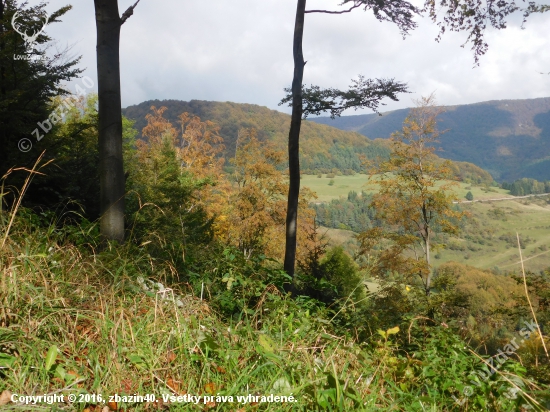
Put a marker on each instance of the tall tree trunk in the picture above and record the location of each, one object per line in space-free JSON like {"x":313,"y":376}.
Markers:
{"x":294,"y":143}
{"x":111,"y":170}
{"x":3,"y":135}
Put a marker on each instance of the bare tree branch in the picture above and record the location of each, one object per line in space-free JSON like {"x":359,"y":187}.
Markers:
{"x":334,"y":12}
{"x":126,"y":15}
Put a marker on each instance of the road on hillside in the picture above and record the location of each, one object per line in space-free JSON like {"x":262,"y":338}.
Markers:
{"x":501,"y":198}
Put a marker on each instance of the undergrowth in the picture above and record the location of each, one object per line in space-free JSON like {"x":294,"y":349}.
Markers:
{"x":74,"y":320}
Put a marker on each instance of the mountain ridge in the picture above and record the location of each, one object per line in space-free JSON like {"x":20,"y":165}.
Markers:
{"x":509,"y":138}
{"x":323,"y":149}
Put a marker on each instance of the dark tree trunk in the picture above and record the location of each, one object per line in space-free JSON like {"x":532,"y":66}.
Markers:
{"x":294,"y":142}
{"x":3,"y":136}
{"x":111,"y":171}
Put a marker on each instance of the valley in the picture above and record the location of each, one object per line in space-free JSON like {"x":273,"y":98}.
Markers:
{"x":487,"y":239}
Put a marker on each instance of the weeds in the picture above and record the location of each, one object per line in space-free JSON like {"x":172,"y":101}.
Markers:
{"x":74,"y":321}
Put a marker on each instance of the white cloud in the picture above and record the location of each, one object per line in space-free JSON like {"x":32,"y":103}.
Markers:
{"x":241,"y":50}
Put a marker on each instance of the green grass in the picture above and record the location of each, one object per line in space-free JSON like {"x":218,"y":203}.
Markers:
{"x":480,"y":240}
{"x":358,"y":182}
{"x":74,"y":322}
{"x":82,"y":324}
{"x":342,"y":185}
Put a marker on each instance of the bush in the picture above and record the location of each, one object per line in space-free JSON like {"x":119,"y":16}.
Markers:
{"x":335,"y":276}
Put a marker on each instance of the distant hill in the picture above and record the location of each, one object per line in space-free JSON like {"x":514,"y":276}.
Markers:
{"x":508,"y":138}
{"x":323,"y":148}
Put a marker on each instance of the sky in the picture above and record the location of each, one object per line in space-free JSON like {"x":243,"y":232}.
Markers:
{"x":241,"y":51}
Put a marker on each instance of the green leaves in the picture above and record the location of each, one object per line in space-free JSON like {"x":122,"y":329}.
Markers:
{"x":267,"y":344}
{"x":362,"y":93}
{"x":7,"y":361}
{"x":138,"y":361}
{"x":51,"y":357}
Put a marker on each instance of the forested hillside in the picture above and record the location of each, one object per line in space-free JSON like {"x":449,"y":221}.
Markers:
{"x":323,"y":147}
{"x":508,"y":138}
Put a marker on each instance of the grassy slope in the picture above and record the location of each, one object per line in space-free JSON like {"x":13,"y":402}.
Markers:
{"x":529,"y":217}
{"x":78,"y":323}
{"x":358,"y":182}
{"x":109,"y":336}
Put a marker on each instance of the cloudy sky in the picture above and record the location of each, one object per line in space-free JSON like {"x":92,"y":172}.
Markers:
{"x":241,"y":51}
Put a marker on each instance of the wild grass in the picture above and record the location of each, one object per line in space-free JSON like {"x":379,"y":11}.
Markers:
{"x":77,"y":321}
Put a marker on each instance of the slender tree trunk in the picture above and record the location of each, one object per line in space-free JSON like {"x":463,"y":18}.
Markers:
{"x":111,"y":171}
{"x":294,"y":143}
{"x":429,"y":278}
{"x":3,"y":136}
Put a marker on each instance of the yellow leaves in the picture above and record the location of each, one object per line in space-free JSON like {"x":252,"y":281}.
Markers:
{"x":413,"y":198}
{"x":210,"y":388}
{"x":389,"y":332}
{"x":392,"y":331}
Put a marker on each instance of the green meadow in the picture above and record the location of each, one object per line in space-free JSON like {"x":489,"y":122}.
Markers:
{"x":342,"y":185}
{"x":487,"y":239}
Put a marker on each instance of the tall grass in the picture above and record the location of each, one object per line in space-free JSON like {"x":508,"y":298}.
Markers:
{"x":75,"y":321}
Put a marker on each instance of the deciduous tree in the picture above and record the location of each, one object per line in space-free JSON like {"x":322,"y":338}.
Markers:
{"x":414,"y":199}
{"x":362,"y":94}
{"x":111,"y":169}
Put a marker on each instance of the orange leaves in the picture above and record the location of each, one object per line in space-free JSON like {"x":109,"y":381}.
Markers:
{"x":175,"y":386}
{"x":112,"y":406}
{"x":5,"y":397}
{"x":158,"y":127}
{"x":256,"y":211}
{"x":170,"y":356}
{"x":210,"y":388}
{"x":413,"y":198}
{"x":200,"y":146}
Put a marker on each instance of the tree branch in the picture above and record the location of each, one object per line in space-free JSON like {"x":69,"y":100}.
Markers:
{"x":333,"y":12}
{"x":363,"y":93}
{"x":126,"y":15}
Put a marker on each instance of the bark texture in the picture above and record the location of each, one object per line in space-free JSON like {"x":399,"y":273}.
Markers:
{"x":111,"y":170}
{"x":294,"y":142}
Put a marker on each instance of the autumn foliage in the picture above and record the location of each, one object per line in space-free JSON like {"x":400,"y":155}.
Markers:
{"x":180,"y":178}
{"x":411,"y":202}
